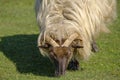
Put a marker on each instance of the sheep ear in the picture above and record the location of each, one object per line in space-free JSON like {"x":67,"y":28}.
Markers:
{"x":77,"y":46}
{"x":44,"y":46}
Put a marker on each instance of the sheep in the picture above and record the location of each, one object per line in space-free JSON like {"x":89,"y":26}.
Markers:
{"x":69,"y":28}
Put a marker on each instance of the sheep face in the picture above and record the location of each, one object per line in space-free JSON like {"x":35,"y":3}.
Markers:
{"x":60,"y":52}
{"x":60,"y":56}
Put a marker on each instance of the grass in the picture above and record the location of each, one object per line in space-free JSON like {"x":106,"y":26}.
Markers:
{"x":20,"y":58}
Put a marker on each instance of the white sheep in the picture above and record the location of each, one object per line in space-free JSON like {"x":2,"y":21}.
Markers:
{"x":68,"y":28}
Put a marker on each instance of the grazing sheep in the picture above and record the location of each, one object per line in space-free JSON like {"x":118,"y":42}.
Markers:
{"x":68,"y":29}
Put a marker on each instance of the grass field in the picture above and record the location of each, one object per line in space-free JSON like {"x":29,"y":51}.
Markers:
{"x":20,"y":58}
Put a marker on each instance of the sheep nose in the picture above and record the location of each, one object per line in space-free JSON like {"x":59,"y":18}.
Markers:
{"x":60,"y":67}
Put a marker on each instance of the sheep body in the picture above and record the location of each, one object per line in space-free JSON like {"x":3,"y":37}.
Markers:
{"x":61,"y":18}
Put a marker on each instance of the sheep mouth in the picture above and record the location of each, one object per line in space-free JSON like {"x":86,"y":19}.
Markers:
{"x":60,"y":66}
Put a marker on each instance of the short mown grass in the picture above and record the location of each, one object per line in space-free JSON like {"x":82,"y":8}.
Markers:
{"x":20,"y":58}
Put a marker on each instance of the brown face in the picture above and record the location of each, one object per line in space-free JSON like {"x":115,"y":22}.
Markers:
{"x":60,"y":57}
{"x":60,"y":51}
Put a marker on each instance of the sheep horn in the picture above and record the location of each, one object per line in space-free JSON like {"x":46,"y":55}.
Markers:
{"x":51,"y":41}
{"x":70,"y":39}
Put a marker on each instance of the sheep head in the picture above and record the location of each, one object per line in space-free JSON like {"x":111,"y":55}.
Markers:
{"x":60,"y":54}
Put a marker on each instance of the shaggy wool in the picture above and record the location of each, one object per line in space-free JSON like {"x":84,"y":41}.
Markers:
{"x":61,"y":18}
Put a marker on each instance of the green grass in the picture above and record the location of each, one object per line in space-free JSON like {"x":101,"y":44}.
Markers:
{"x":20,"y":58}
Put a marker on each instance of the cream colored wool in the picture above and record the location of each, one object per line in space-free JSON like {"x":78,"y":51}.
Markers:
{"x":61,"y":18}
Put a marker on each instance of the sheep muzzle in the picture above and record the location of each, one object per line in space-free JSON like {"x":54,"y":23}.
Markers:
{"x":60,"y":57}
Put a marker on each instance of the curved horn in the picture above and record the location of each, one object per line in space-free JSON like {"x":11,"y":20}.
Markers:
{"x":70,"y":39}
{"x":51,"y":41}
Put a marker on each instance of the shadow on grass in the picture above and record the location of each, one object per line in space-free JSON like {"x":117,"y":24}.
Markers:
{"x":23,"y":51}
